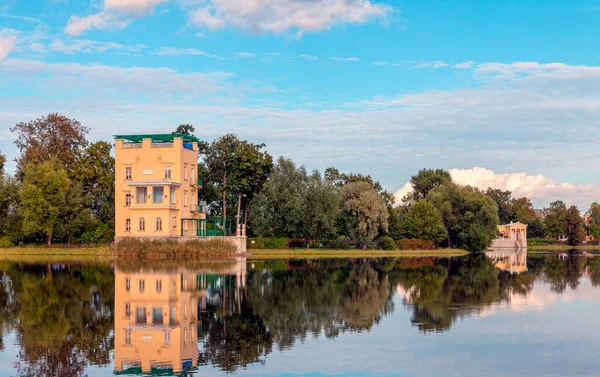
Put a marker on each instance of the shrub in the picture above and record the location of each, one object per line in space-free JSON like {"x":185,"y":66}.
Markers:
{"x":267,"y":243}
{"x":5,"y":242}
{"x":415,"y":244}
{"x":215,"y":248}
{"x":337,"y":244}
{"x":536,"y":241}
{"x":387,"y":243}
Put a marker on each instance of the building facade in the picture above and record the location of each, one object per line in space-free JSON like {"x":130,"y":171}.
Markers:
{"x":156,"y":186}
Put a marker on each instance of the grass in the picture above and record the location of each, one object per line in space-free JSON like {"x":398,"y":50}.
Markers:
{"x":97,"y":251}
{"x":564,"y":247}
{"x":326,"y":253}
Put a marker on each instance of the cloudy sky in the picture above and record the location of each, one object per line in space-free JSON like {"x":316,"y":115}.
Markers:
{"x":504,"y":93}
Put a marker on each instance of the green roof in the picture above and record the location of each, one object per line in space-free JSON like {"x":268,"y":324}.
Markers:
{"x":157,"y":138}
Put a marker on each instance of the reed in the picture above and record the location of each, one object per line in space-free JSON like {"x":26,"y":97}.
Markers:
{"x":172,"y":249}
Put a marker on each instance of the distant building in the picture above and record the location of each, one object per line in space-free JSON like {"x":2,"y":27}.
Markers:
{"x":514,"y":231}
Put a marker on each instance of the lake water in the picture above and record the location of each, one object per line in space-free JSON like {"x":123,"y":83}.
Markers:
{"x":495,"y":315}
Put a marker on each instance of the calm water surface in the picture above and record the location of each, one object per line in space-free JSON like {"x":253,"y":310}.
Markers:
{"x":484,"y":315}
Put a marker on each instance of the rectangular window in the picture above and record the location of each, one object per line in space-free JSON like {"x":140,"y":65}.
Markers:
{"x":185,"y":336}
{"x":173,"y":317}
{"x":158,"y":286}
{"x":185,"y":202}
{"x":173,"y":195}
{"x":128,"y":200}
{"x":167,"y":337}
{"x":142,"y":285}
{"x":193,"y":202}
{"x":127,"y":310}
{"x":140,"y":315}
{"x":167,"y":172}
{"x":185,"y":172}
{"x":174,"y":222}
{"x":140,"y":195}
{"x":158,"y":194}
{"x":128,"y":173}
{"x":127,"y":336}
{"x":127,"y":284}
{"x":128,"y":225}
{"x":192,"y":175}
{"x":157,"y":316}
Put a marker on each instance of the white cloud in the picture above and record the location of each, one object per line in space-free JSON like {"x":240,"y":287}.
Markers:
{"x":115,"y":15}
{"x":351,"y":59}
{"x":173,"y":51}
{"x":465,"y":65}
{"x":381,"y":63}
{"x":22,"y":18}
{"x":430,"y":64}
{"x":535,"y":187}
{"x":7,"y":44}
{"x":199,"y":35}
{"x":308,"y":57}
{"x":287,"y":16}
{"x":245,"y":54}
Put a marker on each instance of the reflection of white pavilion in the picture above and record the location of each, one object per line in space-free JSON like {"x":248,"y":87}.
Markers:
{"x":514,"y":262}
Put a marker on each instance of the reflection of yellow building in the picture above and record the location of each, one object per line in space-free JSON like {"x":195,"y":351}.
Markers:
{"x":157,"y":315}
{"x":156,"y":185}
{"x":513,"y":262}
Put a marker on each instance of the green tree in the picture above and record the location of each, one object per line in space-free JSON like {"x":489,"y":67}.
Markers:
{"x":44,"y":196}
{"x":427,"y":180}
{"x":555,"y":219}
{"x":294,"y":204}
{"x":250,"y":170}
{"x":342,"y":179}
{"x":365,"y":211}
{"x":574,"y":226}
{"x":2,"y":163}
{"x":523,"y":211}
{"x":95,"y":170}
{"x":504,"y":201}
{"x":220,"y":159}
{"x":595,"y":231}
{"x":595,"y":213}
{"x":470,"y":216}
{"x":185,"y":129}
{"x":422,"y":221}
{"x":536,"y":228}
{"x":50,"y":137}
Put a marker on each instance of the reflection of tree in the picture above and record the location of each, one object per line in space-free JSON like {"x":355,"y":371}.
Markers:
{"x":563,"y":272}
{"x":442,"y":292}
{"x":64,"y":318}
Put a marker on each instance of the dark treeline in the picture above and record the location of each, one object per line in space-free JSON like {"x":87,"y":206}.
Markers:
{"x":63,"y":189}
{"x":282,"y":303}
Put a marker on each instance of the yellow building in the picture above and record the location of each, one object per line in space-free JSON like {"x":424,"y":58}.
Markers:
{"x":156,"y":186}
{"x":157,"y":315}
{"x":514,"y":231}
{"x":514,"y":262}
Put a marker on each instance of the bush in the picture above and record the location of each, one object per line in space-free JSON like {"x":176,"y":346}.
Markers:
{"x":387,"y":243}
{"x":415,"y":244}
{"x":267,"y":243}
{"x":133,"y":247}
{"x":536,"y":241}
{"x":340,"y":244}
{"x":5,"y":242}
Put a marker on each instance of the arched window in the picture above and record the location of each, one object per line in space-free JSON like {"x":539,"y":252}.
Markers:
{"x":158,"y":223}
{"x":142,"y":224}
{"x":128,"y":225}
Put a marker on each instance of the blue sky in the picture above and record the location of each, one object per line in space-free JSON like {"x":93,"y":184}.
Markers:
{"x":378,"y":87}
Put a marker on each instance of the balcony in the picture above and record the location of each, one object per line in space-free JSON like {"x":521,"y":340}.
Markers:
{"x":197,"y":184}
{"x":196,"y":208}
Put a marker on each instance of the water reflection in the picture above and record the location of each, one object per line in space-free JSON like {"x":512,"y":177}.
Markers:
{"x":57,"y":319}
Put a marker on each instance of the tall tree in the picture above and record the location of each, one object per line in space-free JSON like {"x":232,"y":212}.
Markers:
{"x":43,"y":195}
{"x":250,"y":171}
{"x":2,"y":163}
{"x":95,"y":170}
{"x":470,"y":216}
{"x":185,"y":129}
{"x":365,"y":210}
{"x":504,"y":201}
{"x":220,"y":159}
{"x":555,"y":219}
{"x":50,"y":137}
{"x":422,"y":221}
{"x":595,"y":213}
{"x":523,"y":210}
{"x":574,"y":226}
{"x":294,"y":204}
{"x":342,"y":179}
{"x":427,"y":180}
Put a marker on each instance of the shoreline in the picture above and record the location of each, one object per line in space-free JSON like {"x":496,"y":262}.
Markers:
{"x":563,"y":247}
{"x":103,"y":253}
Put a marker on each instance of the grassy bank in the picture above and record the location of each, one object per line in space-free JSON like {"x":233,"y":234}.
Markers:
{"x":564,"y":247}
{"x":325,"y":253}
{"x":97,"y":251}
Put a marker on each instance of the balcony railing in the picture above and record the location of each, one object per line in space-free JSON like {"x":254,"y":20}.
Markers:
{"x":198,"y":183}
{"x":196,"y":208}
